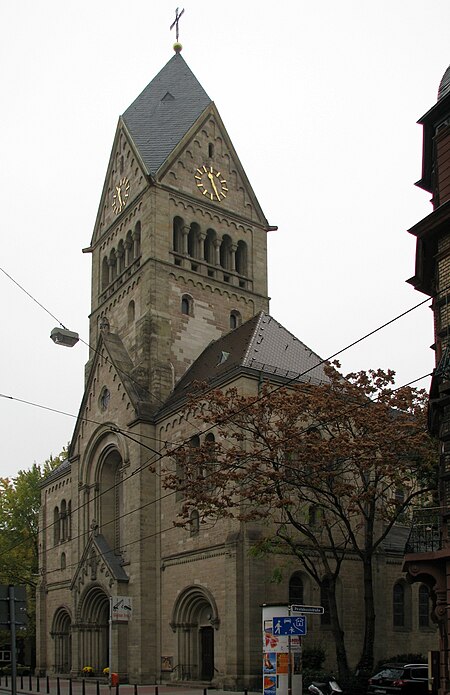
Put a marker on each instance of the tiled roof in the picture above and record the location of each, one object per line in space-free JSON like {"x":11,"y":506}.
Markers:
{"x":261,"y":344}
{"x":164,"y":112}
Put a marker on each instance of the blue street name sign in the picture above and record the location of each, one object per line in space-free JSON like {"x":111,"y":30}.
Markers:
{"x":293,"y":625}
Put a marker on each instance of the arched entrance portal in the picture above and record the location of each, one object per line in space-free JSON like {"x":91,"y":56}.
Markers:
{"x":62,"y":641}
{"x":94,"y":629}
{"x":195,"y":620}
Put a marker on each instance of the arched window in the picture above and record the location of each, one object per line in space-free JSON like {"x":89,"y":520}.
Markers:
{"x":131,"y":312}
{"x":120,"y":257}
{"x":312,"y":515}
{"x":235,"y":319}
{"x":193,"y":241}
{"x":113,"y":264}
{"x":325,"y":618}
{"x":296,"y":589}
{"x":241,"y":258}
{"x":187,"y":305}
{"x":208,"y":468}
{"x":210,"y":249}
{"x":63,"y":522}
{"x":210,"y":150}
{"x":194,"y":523}
{"x":105,"y":273}
{"x":129,"y":248}
{"x":63,"y":561}
{"x":398,"y":605}
{"x":137,"y":239}
{"x":424,"y":606}
{"x":56,"y":529}
{"x":225,"y":252}
{"x":177,"y":240}
{"x":111,"y":500}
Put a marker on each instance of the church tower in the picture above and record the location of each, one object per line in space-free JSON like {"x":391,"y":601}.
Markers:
{"x":179,"y":253}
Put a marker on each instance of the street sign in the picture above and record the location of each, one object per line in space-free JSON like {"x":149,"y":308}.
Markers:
{"x":295,"y":608}
{"x":18,"y":595}
{"x":292,"y":625}
{"x":121,"y":608}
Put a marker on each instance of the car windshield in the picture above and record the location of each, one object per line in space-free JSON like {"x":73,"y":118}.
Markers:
{"x":390,"y":673}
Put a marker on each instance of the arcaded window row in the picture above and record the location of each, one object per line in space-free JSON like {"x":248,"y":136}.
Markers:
{"x":122,"y":257}
{"x":209,"y":247}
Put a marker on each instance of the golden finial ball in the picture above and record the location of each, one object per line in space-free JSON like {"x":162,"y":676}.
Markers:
{"x":177,"y":47}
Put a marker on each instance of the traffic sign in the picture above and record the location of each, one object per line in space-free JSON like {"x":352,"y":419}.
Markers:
{"x":292,"y":625}
{"x":295,"y":608}
{"x":121,"y":608}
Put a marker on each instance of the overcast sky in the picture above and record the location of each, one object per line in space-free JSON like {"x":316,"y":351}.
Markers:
{"x":320,"y":100}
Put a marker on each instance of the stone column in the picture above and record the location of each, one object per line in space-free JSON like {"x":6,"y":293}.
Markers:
{"x":233,"y":249}
{"x":217,"y":243}
{"x":184,"y":239}
{"x":111,"y":264}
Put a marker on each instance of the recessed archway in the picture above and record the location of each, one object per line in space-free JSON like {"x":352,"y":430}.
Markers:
{"x":62,"y":641}
{"x":93,"y":619}
{"x":195,"y":620}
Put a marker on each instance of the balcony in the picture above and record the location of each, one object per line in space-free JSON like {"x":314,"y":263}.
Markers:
{"x":425,"y":535}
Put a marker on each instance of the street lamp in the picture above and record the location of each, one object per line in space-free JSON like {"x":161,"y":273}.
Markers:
{"x":61,"y":336}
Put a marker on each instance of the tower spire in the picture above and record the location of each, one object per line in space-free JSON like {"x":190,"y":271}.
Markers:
{"x":177,"y":45}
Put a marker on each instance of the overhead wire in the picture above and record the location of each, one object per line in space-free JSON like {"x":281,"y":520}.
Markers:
{"x":285,"y":383}
{"x":172,"y":492}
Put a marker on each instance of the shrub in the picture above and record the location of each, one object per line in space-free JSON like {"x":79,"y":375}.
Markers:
{"x":313,"y":657}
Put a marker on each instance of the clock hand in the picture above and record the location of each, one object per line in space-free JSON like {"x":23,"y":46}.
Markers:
{"x":119,"y":196}
{"x":213,"y":184}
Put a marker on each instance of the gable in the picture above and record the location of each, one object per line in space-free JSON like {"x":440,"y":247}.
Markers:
{"x":112,"y":394}
{"x":125,"y":180}
{"x":98,"y":563}
{"x":206,"y":166}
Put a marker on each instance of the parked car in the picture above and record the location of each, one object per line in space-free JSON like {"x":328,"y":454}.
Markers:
{"x":400,"y":679}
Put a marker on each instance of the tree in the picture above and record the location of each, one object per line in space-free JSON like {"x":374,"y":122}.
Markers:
{"x":20,"y":499}
{"x":329,"y":469}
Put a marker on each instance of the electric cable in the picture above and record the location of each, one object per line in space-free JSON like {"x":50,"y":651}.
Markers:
{"x":171,"y":453}
{"x":160,"y":456}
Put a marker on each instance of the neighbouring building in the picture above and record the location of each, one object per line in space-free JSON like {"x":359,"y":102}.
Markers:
{"x":428,"y":557}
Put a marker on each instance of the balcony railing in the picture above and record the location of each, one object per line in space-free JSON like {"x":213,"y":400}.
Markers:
{"x":425,"y":535}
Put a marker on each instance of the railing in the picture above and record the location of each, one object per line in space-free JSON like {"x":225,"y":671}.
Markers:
{"x":426,"y":532}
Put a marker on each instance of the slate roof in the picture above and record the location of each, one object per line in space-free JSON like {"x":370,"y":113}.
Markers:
{"x":62,"y":469}
{"x":396,"y":539}
{"x":444,"y":87}
{"x":260,"y":344}
{"x":163,"y":113}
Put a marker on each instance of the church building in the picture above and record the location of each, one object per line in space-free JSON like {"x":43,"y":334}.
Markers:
{"x":179,"y":291}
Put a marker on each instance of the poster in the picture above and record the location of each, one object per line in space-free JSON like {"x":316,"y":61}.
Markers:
{"x":269,"y":662}
{"x":270,"y":685}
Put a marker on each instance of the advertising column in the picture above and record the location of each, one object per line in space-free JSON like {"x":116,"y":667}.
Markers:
{"x":278,"y":677}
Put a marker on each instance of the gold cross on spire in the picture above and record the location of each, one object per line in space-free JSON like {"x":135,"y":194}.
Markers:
{"x":175,"y":23}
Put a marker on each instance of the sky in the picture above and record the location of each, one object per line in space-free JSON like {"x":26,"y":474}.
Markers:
{"x":320,"y":100}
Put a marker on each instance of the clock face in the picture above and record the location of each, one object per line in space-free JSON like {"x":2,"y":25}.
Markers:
{"x":120,"y":195}
{"x":211,"y":183}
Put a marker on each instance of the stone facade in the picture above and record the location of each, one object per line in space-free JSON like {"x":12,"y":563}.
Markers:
{"x":176,"y":263}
